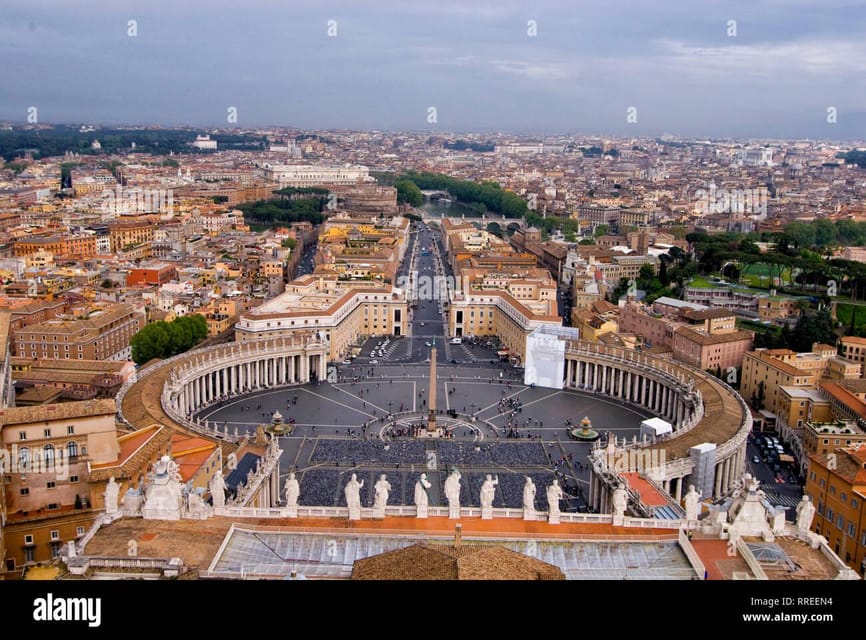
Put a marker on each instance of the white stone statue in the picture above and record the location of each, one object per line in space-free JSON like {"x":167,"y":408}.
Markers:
{"x":132,"y":501}
{"x":529,"y":499}
{"x":292,"y":490}
{"x":452,"y":493}
{"x":554,"y":495}
{"x":112,"y":491}
{"x":195,"y":505}
{"x":620,"y":500}
{"x":421,"y":498}
{"x":218,"y":489}
{"x":529,"y":491}
{"x":805,"y":513}
{"x":380,"y":501}
{"x":488,"y":491}
{"x":174,"y":470}
{"x":693,"y":503}
{"x":164,"y":495}
{"x":353,"y":497}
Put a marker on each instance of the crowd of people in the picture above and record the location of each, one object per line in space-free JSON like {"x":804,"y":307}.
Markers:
{"x":508,"y":454}
{"x":368,"y":451}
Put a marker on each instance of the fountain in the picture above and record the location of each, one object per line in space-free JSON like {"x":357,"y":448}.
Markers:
{"x":278,"y":428}
{"x":584,"y":432}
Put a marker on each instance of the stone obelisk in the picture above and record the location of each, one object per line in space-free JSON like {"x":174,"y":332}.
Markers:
{"x":431,"y":401}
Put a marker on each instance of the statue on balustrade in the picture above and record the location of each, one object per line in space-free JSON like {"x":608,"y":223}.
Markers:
{"x":292,"y":490}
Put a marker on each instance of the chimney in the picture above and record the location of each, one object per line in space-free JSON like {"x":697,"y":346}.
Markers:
{"x":458,"y":537}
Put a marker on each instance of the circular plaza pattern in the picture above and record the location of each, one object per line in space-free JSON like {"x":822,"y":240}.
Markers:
{"x":362,"y":421}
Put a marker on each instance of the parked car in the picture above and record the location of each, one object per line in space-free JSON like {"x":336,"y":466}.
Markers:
{"x":756,"y":459}
{"x":374,"y":362}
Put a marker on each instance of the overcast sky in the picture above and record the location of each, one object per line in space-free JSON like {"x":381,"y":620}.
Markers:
{"x":391,"y":60}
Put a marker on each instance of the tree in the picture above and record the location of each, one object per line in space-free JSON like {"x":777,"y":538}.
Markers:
{"x":663,"y":273}
{"x":149,"y":343}
{"x":78,"y":503}
{"x":825,"y":232}
{"x":647,"y":272}
{"x":601,"y":230}
{"x":164,"y":339}
{"x":408,"y":193}
{"x":289,"y":243}
{"x":586,"y":241}
{"x":812,"y":328}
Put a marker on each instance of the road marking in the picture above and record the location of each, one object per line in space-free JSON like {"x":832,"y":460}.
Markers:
{"x":342,"y":404}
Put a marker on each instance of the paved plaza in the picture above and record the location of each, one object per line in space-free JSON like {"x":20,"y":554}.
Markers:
{"x":365,"y":418}
{"x":363,"y":424}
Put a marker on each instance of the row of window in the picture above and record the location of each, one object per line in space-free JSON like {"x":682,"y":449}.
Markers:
{"x":25,"y":491}
{"x":48,"y":452}
{"x":70,"y":431}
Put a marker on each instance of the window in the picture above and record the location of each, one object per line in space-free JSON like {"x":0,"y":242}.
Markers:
{"x":829,"y":514}
{"x":852,"y":530}
{"x":46,"y":433}
{"x":48,"y":452}
{"x":51,"y":484}
{"x":28,"y":554}
{"x":840,"y":522}
{"x":832,"y":490}
{"x":843,"y":496}
{"x":22,"y":435}
{"x":28,"y":539}
{"x":73,"y":478}
{"x":55,"y":534}
{"x":72,"y":449}
{"x":23,"y":458}
{"x":79,"y":531}
{"x":25,"y":491}
{"x":55,"y":549}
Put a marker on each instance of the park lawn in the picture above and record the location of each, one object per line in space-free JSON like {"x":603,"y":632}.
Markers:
{"x":702,"y":283}
{"x":843,"y":315}
{"x":758,"y":274}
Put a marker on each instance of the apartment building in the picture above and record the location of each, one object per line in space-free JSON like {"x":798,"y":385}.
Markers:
{"x":766,"y":370}
{"x":853,"y":348}
{"x":102,"y":334}
{"x":836,"y":483}
{"x":77,"y":246}
{"x":345,"y":313}
{"x":49,"y":499}
{"x":124,"y":235}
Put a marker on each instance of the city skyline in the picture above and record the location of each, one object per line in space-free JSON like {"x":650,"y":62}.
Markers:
{"x":689,"y":71}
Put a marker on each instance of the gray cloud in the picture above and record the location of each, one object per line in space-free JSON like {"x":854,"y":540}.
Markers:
{"x":391,"y":59}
